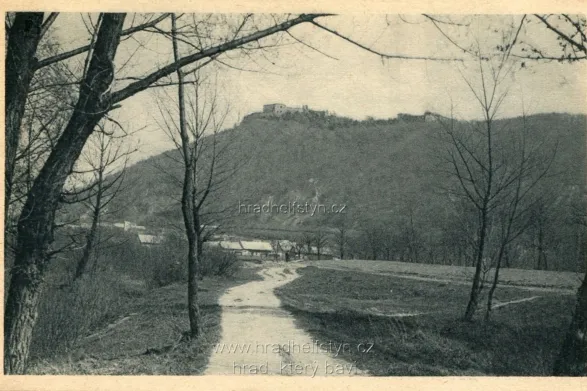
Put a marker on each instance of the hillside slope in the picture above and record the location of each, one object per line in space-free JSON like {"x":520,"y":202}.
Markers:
{"x":374,"y":167}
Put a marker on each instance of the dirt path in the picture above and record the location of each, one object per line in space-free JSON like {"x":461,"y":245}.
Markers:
{"x":499,"y":305}
{"x":259,"y":337}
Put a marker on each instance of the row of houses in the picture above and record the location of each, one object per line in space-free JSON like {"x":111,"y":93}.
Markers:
{"x":276,"y":249}
{"x":258,"y":248}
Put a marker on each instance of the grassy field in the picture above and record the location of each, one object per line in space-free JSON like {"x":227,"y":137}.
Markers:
{"x":507,"y":276}
{"x":147,"y":336}
{"x":414,"y":326}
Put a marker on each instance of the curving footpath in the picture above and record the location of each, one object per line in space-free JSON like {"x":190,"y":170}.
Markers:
{"x":259,"y":337}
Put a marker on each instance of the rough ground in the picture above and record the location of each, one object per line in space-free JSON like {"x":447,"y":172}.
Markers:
{"x":259,"y":337}
{"x":415,"y":325}
{"x":146,"y":339}
{"x":409,"y":315}
{"x":530,"y":280}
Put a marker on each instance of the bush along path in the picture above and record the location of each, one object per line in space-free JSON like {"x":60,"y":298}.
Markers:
{"x":148,"y":336}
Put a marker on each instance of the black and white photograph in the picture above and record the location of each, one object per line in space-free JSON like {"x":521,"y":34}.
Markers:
{"x":295,"y":194}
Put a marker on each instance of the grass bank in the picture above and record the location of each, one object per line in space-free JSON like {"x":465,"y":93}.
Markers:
{"x":391,"y":326}
{"x":147,"y":335}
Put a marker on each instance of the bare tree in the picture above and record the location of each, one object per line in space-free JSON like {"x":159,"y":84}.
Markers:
{"x":47,"y":109}
{"x":275,"y":246}
{"x":306,"y":241}
{"x":341,"y":227}
{"x":23,"y":38}
{"x":101,"y":88}
{"x":409,"y":235}
{"x":195,"y":135}
{"x":320,"y":239}
{"x":299,"y":248}
{"x":107,"y":161}
{"x":540,"y":236}
{"x":569,"y":33}
{"x":373,"y":240}
{"x":188,"y":200}
{"x":529,"y":162}
{"x":457,"y":239}
{"x":572,"y":359}
{"x":36,"y":222}
{"x":496,"y":170}
{"x":475,"y":160}
{"x":24,"y":33}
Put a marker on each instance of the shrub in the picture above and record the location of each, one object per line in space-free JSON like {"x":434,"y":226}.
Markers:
{"x":216,"y":262}
{"x":167,"y":264}
{"x":165,"y":271}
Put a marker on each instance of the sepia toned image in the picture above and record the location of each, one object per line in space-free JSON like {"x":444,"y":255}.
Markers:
{"x":313,"y":194}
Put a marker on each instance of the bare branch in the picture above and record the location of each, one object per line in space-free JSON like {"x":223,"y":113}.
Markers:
{"x":383,"y":55}
{"x":75,"y":52}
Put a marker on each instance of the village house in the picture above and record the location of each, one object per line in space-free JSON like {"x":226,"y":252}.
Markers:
{"x":258,"y":248}
{"x":128,"y":226}
{"x":284,"y":249}
{"x":150,"y":240}
{"x":232,"y":246}
{"x":313,"y":254}
{"x":253,"y":248}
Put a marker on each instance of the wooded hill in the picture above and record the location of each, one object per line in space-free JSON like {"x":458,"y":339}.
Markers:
{"x":386,"y":172}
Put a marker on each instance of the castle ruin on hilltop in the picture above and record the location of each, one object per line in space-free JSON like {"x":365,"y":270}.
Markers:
{"x":279,"y":109}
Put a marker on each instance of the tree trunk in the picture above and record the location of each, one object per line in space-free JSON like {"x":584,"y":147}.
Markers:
{"x":21,"y":313}
{"x":193,"y":307}
{"x":200,"y":249}
{"x":194,"y":275}
{"x":23,"y":39}
{"x":476,"y":287}
{"x":506,"y":258}
{"x":90,"y":238}
{"x":35,"y":226}
{"x":474,"y":296}
{"x":187,"y":201}
{"x":572,"y":360}
{"x":541,"y":264}
{"x":341,"y":241}
{"x":494,"y":283}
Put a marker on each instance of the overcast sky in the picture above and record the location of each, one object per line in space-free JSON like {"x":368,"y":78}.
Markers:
{"x":345,"y":79}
